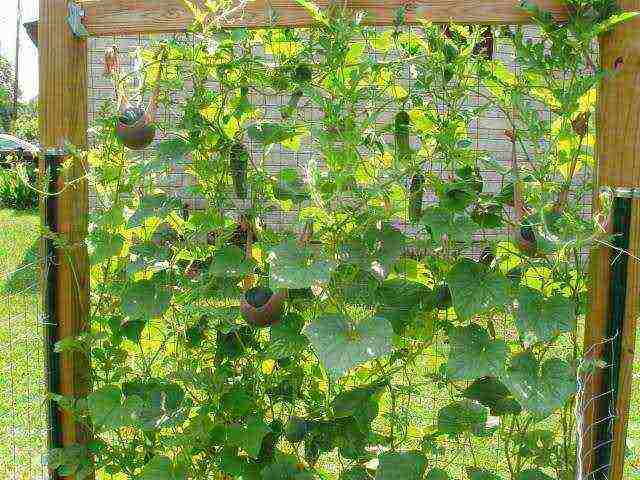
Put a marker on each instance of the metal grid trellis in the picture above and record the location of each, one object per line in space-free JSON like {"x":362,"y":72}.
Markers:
{"x":488,"y":135}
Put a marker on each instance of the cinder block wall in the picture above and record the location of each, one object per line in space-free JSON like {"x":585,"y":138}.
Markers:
{"x":486,"y":132}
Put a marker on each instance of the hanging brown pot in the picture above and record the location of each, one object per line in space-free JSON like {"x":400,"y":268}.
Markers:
{"x":139,"y":134}
{"x":136,"y":127}
{"x":261,"y":307}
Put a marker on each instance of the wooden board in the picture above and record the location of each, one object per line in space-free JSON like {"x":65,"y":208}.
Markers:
{"x":63,"y":117}
{"x":127,"y":17}
{"x":618,"y":150}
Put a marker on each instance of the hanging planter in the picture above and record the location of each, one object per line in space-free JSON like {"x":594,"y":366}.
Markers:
{"x":261,"y":307}
{"x":136,"y":127}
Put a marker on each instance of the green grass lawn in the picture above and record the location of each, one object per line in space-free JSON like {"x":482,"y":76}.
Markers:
{"x":22,"y":413}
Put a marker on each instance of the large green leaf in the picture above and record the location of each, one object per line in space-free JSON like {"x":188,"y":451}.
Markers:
{"x":401,"y":466}
{"x":152,"y":206}
{"x":109,"y":412}
{"x":145,"y":299}
{"x":161,"y":468}
{"x":353,"y":402}
{"x":295,"y":266}
{"x":476,"y":289}
{"x":342,"y":344}
{"x":541,"y":318}
{"x":230,"y":262}
{"x":461,"y":417}
{"x":399,"y":293}
{"x":492,"y":393}
{"x":285,"y":341}
{"x":248,"y":437}
{"x":533,"y":474}
{"x":163,"y":403}
{"x":457,"y":227}
{"x":540,"y":389}
{"x":400,"y":300}
{"x":437,"y":474}
{"x":474,"y":354}
{"x":355,"y":473}
{"x":72,"y":460}
{"x":234,"y":464}
{"x":269,"y":132}
{"x":103,"y":245}
{"x":480,"y":474}
{"x":290,"y":186}
{"x":384,"y":244}
{"x":537,"y":445}
{"x":285,"y":467}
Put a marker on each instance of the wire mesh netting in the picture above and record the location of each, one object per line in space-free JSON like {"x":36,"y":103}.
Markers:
{"x":423,"y":390}
{"x":23,"y":422}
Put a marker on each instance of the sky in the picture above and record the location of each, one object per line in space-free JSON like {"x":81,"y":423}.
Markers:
{"x":28,"y":52}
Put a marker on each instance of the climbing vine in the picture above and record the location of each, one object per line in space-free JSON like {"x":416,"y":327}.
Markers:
{"x":393,"y":321}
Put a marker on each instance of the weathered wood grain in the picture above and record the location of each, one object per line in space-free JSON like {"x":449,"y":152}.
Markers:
{"x":618,"y":151}
{"x":63,"y":117}
{"x":127,"y":17}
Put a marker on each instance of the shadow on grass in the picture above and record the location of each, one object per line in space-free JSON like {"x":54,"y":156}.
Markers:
{"x":24,"y":278}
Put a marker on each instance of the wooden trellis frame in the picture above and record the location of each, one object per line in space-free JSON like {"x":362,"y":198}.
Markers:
{"x":63,"y":117}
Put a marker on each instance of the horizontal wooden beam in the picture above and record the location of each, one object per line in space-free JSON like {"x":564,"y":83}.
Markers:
{"x":127,"y":17}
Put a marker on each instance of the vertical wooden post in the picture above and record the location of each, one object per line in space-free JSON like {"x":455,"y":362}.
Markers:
{"x":618,"y":149}
{"x":63,"y":118}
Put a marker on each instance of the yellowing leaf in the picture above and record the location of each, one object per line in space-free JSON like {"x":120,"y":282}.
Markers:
{"x":412,"y":40}
{"x":422,"y":120}
{"x":294,"y":142}
{"x":546,"y":96}
{"x":210,"y":113}
{"x":539,"y":278}
{"x":268,"y":366}
{"x":503,"y":74}
{"x":232,"y":127}
{"x":383,"y":41}
{"x":428,"y":147}
{"x":384,"y":160}
{"x":354,"y":54}
{"x":288,"y":49}
{"x":393,"y":89}
{"x":397,"y":92}
{"x":587,"y":102}
{"x":366,"y":172}
{"x":509,"y":256}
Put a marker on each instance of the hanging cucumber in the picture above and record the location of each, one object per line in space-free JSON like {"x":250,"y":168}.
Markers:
{"x":401,"y":126}
{"x":238,"y":161}
{"x":416,"y":192}
{"x":403,"y":153}
{"x":302,"y":75}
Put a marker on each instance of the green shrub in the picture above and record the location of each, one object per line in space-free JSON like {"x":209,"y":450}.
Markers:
{"x":16,"y":187}
{"x":26,"y":125}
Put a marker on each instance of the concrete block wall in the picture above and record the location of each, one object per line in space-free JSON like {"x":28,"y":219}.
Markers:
{"x":487,"y":132}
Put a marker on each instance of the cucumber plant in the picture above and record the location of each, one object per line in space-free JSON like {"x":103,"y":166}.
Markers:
{"x":385,"y":342}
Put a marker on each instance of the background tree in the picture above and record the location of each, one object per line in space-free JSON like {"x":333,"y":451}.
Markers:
{"x":26,"y":124}
{"x":7,"y":82}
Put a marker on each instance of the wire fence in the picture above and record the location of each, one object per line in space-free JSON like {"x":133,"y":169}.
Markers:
{"x":23,"y":420}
